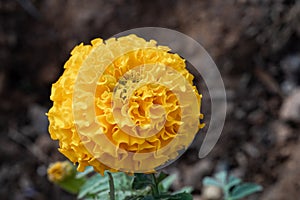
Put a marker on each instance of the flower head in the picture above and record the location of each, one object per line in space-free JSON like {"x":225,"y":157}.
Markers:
{"x":124,"y":104}
{"x":59,"y":171}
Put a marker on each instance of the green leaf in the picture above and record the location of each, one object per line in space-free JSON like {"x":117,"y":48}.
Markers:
{"x":181,"y":196}
{"x":244,"y":190}
{"x":133,"y":198}
{"x":92,"y":183}
{"x":222,"y":177}
{"x":122,"y":181}
{"x":233,"y":181}
{"x":101,"y":195}
{"x":161,"y":177}
{"x":148,"y":198}
{"x":166,"y":183}
{"x":97,"y":186}
{"x":119,"y":195}
{"x":187,"y":189}
{"x":211,"y":181}
{"x":141,"y":181}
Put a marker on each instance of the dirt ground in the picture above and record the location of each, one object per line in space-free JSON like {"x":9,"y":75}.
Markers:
{"x":255,"y":44}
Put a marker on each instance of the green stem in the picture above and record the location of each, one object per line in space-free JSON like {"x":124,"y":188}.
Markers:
{"x":155,"y":185}
{"x":111,"y":186}
{"x":226,"y":193}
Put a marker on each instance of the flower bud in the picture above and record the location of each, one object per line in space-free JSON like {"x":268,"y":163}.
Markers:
{"x":60,"y":171}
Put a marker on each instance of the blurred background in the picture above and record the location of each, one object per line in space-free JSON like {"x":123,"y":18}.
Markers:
{"x":255,"y":44}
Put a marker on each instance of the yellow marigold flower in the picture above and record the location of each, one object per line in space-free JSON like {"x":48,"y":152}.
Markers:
{"x":124,"y":105}
{"x":60,"y":171}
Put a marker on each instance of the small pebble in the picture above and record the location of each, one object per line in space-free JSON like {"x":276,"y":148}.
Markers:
{"x":212,"y":193}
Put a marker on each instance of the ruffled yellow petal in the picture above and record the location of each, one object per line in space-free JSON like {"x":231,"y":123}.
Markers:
{"x":122,"y":125}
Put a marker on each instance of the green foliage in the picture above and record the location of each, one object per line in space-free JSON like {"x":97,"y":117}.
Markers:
{"x":165,"y":183}
{"x":141,"y":181}
{"x":244,"y":190}
{"x":72,"y":183}
{"x":97,"y":187}
{"x":160,"y":185}
{"x":89,"y":185}
{"x":233,"y":188}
